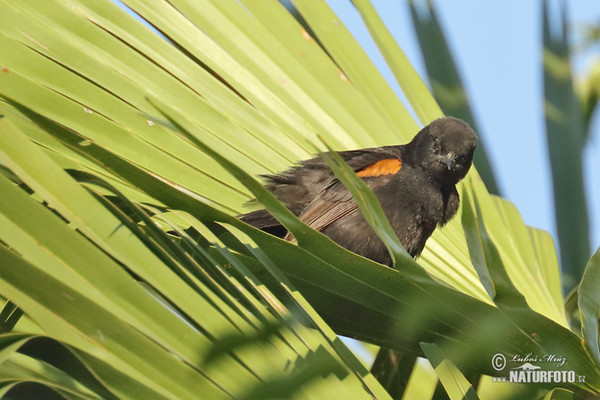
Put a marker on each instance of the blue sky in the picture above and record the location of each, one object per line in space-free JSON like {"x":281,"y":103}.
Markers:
{"x":497,"y":48}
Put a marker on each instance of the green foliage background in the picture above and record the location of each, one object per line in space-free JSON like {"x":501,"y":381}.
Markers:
{"x":127,"y":155}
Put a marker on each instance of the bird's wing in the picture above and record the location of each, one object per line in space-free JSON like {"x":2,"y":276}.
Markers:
{"x":335,"y":201}
{"x":326,"y":209}
{"x":356,"y":159}
{"x":332,"y":204}
{"x":297,"y":186}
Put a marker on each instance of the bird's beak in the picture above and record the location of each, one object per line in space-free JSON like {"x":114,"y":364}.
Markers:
{"x":447,"y":161}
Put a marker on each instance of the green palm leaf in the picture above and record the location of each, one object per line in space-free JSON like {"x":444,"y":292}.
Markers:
{"x":119,"y":240}
{"x":566,"y":139}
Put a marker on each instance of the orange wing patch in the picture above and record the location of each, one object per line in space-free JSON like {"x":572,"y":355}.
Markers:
{"x":384,"y":167}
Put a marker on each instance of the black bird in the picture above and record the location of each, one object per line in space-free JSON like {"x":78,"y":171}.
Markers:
{"x":414,"y":182}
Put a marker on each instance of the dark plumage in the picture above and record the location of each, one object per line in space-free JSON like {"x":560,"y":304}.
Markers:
{"x":415,"y":184}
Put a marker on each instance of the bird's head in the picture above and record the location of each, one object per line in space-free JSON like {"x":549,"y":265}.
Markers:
{"x":444,"y":149}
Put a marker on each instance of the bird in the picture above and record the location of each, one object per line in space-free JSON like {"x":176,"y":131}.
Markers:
{"x":415,"y":184}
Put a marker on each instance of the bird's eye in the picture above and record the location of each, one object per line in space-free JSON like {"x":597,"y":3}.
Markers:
{"x":435,"y":146}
